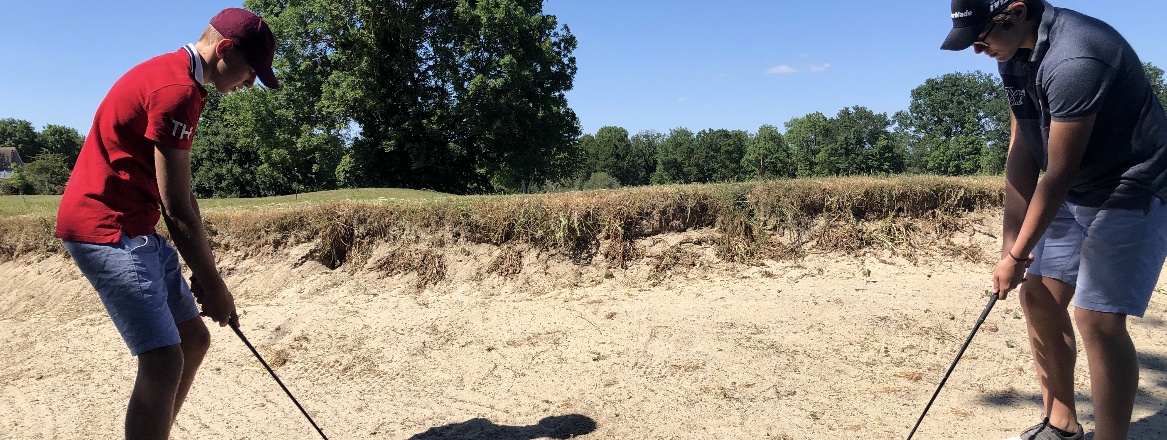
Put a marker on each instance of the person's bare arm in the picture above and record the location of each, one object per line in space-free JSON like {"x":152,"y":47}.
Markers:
{"x":1021,"y":172}
{"x":181,"y":212}
{"x":1067,"y":144}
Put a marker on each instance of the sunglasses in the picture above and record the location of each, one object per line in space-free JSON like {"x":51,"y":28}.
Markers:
{"x":980,"y":41}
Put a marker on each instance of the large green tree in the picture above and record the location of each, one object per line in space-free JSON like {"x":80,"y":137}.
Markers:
{"x":854,"y":135}
{"x":707,"y":156}
{"x":673,"y":156}
{"x":718,"y":156}
{"x":767,"y":156}
{"x":47,"y":174}
{"x":956,"y":124}
{"x":807,"y":136}
{"x":20,"y":134}
{"x":459,"y":96}
{"x":641,"y":162}
{"x":606,"y":151}
{"x":222,"y":165}
{"x":631,"y":161}
{"x":62,"y":140}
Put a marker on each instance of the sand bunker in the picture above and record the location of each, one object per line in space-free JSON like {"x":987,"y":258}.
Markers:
{"x":830,"y":346}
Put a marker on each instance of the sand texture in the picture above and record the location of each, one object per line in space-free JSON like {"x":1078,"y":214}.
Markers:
{"x":829,"y":346}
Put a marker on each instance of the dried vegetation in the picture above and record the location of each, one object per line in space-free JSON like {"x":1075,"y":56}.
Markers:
{"x":754,"y":221}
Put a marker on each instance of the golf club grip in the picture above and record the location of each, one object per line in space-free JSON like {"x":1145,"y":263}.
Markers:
{"x":278,"y":381}
{"x":981,"y":320}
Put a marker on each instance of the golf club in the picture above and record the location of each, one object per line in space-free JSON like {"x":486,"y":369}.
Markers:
{"x":981,"y":320}
{"x":273,"y":375}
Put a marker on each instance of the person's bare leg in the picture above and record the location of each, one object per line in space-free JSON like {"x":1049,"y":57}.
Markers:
{"x":1114,"y":371}
{"x":1051,"y":335}
{"x":148,"y":415}
{"x":196,"y":340}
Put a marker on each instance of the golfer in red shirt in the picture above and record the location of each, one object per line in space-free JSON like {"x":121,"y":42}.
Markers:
{"x":135,"y":168}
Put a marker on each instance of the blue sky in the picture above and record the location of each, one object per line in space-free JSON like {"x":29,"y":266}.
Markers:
{"x":643,"y":65}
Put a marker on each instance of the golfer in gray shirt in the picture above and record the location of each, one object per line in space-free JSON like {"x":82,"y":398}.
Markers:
{"x":1093,"y":228}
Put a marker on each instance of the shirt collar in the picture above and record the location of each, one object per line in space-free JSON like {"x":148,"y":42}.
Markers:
{"x":196,"y":63}
{"x":1047,"y":22}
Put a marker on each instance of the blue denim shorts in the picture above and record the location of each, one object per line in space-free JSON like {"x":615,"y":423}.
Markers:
{"x":140,"y":282}
{"x":1111,"y":256}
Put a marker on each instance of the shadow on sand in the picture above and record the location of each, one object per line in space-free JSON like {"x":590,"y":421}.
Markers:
{"x":556,"y":427}
{"x":1153,"y":426}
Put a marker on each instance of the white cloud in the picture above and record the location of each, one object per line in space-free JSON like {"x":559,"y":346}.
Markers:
{"x":818,"y":68}
{"x":682,"y":99}
{"x":781,"y":69}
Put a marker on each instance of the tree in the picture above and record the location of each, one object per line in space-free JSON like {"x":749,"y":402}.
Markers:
{"x":606,"y":152}
{"x":673,"y":156}
{"x":20,"y":134}
{"x":767,"y":155}
{"x":221,"y":166}
{"x":518,"y":64}
{"x":1158,"y":83}
{"x":956,"y":124}
{"x":806,"y":137}
{"x":717,"y":156}
{"x":65,"y":141}
{"x":642,"y":159}
{"x":853,"y":136}
{"x":47,"y":174}
{"x":18,"y":182}
{"x":884,"y":158}
{"x":453,"y":95}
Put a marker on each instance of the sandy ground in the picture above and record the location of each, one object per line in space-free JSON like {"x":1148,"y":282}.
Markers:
{"x":833,"y":346}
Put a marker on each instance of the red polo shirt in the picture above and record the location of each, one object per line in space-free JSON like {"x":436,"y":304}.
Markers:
{"x":114,"y":185}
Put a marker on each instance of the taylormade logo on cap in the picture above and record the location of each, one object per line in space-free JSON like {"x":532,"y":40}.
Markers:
{"x":962,"y":14}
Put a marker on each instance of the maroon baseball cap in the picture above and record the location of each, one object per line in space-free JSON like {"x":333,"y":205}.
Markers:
{"x":248,"y":31}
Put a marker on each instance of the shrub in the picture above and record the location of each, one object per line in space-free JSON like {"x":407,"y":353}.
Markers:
{"x":7,"y":188}
{"x":601,"y":180}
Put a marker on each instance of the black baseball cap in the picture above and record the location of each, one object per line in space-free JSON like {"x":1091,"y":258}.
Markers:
{"x":969,"y":18}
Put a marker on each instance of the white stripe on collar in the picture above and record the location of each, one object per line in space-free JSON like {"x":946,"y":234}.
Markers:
{"x":196,"y":63}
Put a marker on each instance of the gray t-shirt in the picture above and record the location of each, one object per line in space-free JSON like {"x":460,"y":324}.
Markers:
{"x":1081,"y":67}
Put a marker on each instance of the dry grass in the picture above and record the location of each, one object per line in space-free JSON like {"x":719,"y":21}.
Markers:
{"x":430,"y":267}
{"x":508,"y":262}
{"x":278,"y":358}
{"x":29,"y":235}
{"x":758,"y":220}
{"x":678,"y":255}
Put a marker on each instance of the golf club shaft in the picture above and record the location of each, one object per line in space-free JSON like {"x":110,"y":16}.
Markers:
{"x":273,"y":375}
{"x":981,"y":320}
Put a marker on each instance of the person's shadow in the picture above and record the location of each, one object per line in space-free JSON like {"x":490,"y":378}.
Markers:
{"x":556,"y":427}
{"x":1155,"y":425}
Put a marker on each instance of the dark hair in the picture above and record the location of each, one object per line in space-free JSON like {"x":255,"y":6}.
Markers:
{"x":1033,"y":11}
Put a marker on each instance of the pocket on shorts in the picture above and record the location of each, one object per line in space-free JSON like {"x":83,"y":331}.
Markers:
{"x":140,"y":244}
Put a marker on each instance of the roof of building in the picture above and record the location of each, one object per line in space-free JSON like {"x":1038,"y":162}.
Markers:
{"x":8,"y":156}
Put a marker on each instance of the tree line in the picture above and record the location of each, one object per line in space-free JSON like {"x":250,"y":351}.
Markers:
{"x":956,"y":124}
{"x":48,"y":156}
{"x":468,"y":97}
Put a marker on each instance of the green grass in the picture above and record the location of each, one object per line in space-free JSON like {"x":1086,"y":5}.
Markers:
{"x":11,"y":206}
{"x":309,"y":199}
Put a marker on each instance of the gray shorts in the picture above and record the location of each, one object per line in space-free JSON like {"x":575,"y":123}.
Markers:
{"x":140,"y":282}
{"x":1111,"y":256}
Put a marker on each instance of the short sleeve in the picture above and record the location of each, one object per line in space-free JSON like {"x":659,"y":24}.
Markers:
{"x":173,"y":112}
{"x":1077,"y":88}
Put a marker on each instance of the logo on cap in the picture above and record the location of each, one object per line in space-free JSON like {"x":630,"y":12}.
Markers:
{"x":962,"y":14}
